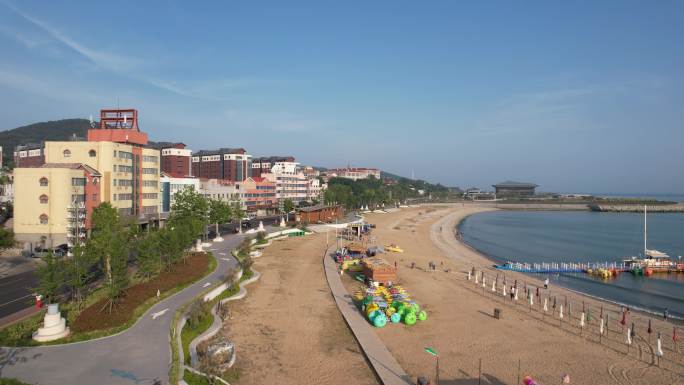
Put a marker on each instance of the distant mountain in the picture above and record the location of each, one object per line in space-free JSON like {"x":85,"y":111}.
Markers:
{"x":39,"y":132}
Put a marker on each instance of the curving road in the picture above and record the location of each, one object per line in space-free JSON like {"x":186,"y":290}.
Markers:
{"x":140,"y":355}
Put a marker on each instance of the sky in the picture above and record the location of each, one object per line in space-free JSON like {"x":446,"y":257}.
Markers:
{"x":578,"y":96}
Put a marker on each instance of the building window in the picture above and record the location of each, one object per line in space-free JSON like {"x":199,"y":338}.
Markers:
{"x":78,"y":181}
{"x":92,"y":153}
{"x":43,"y":219}
{"x":94,"y":197}
{"x":43,"y":199}
{"x":67,"y":153}
{"x":43,"y":181}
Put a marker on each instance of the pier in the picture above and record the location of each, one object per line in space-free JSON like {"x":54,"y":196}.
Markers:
{"x":627,"y":208}
{"x":563,"y":267}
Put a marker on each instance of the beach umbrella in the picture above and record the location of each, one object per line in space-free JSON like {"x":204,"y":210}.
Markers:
{"x":588,"y":315}
{"x":629,"y":337}
{"x":675,"y":337}
{"x":494,"y":286}
{"x":633,"y":331}
{"x":659,"y":349}
{"x":582,"y":320}
{"x":601,"y":311}
{"x":468,"y":275}
{"x":623,"y":322}
{"x":649,"y":330}
{"x":601,"y":326}
{"x":483,"y":279}
{"x":546,"y":307}
{"x":582,"y":306}
{"x":554,"y":303}
{"x":515,"y":297}
{"x":531,"y":298}
{"x":560,"y":314}
{"x":503,"y":289}
{"x":537,"y":292}
{"x":476,"y":280}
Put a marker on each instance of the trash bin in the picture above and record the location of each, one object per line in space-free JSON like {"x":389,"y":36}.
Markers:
{"x":497,"y":313}
{"x":423,"y":381}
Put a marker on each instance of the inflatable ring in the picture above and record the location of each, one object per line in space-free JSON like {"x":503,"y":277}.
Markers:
{"x":410,"y":319}
{"x":380,"y":321}
{"x":422,"y":315}
{"x":395,"y":318}
{"x":374,"y":314}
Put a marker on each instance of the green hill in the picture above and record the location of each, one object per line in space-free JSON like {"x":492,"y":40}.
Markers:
{"x":39,"y":132}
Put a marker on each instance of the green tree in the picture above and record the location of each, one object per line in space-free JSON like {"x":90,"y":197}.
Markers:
{"x":50,"y":278}
{"x":148,"y":255}
{"x":79,"y":271}
{"x":108,"y":243}
{"x":189,"y":203}
{"x":219,"y":212}
{"x":237,"y":213}
{"x":6,"y":238}
{"x":288,"y":206}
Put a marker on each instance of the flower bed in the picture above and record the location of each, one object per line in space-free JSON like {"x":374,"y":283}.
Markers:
{"x":95,"y":318}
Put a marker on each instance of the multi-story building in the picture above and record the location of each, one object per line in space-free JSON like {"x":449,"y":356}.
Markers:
{"x":259,"y":195}
{"x":128,"y":172}
{"x":169,"y":186}
{"x":315,"y":188}
{"x":289,"y":180}
{"x":175,"y":159}
{"x":232,"y":164}
{"x":354,"y":173}
{"x":221,"y":189}
{"x":7,"y":189}
{"x":54,"y":203}
{"x":29,"y":155}
{"x":263,"y":165}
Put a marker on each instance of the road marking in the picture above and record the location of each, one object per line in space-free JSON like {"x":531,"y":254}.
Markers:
{"x":16,"y":299}
{"x":207,"y":284}
{"x":226,"y":259}
{"x":159,"y":313}
{"x":222,"y":253}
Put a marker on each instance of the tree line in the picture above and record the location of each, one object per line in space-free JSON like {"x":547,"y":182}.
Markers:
{"x":373,"y":192}
{"x":115,"y":246}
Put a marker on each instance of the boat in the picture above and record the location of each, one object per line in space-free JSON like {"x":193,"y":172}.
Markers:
{"x":394,"y":248}
{"x":658,"y":262}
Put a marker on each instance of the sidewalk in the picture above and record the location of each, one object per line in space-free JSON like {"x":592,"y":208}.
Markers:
{"x":386,"y":367}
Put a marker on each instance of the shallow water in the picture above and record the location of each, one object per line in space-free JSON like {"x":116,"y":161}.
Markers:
{"x":557,"y":236}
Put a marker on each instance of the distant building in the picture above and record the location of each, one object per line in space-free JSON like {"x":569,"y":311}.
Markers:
{"x":7,"y":190}
{"x":319,"y":213}
{"x":354,"y":173}
{"x":259,"y":195}
{"x":232,"y":164}
{"x":29,"y":155}
{"x":175,"y":159}
{"x":169,"y":186}
{"x":220,"y":189}
{"x":290,"y":181}
{"x":263,"y":165}
{"x":514,"y":189}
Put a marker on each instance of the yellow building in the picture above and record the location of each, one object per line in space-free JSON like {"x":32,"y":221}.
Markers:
{"x":115,"y":166}
{"x":53,"y":203}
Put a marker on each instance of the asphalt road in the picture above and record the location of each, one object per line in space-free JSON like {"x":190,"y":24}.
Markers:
{"x":16,"y":292}
{"x":139,"y":355}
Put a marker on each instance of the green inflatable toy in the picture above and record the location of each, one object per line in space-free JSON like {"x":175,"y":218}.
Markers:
{"x":422,"y":315}
{"x":410,"y":318}
{"x":379,"y":320}
{"x":395,"y":318}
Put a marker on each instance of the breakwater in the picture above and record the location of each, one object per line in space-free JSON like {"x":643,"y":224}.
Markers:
{"x":665,"y":208}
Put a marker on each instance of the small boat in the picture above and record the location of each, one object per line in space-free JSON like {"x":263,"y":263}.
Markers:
{"x":394,"y":248}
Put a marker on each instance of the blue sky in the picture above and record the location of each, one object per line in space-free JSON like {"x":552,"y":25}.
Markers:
{"x":574,"y":96}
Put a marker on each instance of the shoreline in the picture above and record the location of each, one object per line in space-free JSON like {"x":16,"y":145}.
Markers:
{"x":461,"y":327}
{"x":457,"y":235}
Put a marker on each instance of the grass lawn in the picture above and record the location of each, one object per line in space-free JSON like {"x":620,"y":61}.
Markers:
{"x":190,"y":333}
{"x":11,"y":381}
{"x":195,"y":379}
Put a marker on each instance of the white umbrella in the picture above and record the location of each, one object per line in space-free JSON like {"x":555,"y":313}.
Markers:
{"x":468,"y":275}
{"x":601,"y":326}
{"x":629,"y":336}
{"x":494,"y":286}
{"x":261,"y":226}
{"x":503,"y":289}
{"x":546,"y":304}
{"x":560,"y":314}
{"x":582,"y":320}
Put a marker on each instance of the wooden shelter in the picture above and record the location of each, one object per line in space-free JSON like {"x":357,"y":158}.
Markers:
{"x":379,"y":270}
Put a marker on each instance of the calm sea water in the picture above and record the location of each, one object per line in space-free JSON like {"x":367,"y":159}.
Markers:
{"x":546,"y":236}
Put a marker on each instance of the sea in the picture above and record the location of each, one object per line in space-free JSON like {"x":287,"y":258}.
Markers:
{"x":585,"y":236}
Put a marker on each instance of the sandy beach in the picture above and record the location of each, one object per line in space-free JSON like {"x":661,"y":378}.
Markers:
{"x":288,"y":329}
{"x":460,"y":325}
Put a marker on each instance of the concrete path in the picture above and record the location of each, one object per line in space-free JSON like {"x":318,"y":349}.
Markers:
{"x":140,"y":355}
{"x":386,"y":367}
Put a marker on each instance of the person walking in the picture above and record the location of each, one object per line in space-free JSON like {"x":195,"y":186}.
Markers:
{"x":665,"y":314}
{"x":546,"y":283}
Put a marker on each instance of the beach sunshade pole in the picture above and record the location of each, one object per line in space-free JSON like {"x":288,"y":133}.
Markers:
{"x":434,"y":353}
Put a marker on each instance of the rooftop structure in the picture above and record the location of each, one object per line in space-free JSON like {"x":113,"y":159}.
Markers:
{"x":512,"y":189}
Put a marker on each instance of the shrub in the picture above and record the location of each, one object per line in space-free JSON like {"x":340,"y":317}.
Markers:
{"x":6,"y":238}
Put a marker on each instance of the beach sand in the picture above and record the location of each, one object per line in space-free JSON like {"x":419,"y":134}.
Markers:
{"x":460,"y":325}
{"x":288,"y":329}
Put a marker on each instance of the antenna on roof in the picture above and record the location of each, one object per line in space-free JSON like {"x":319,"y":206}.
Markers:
{"x":92,"y":123}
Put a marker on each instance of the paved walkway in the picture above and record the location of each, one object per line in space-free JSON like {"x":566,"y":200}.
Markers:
{"x":140,"y":355}
{"x":386,"y":367}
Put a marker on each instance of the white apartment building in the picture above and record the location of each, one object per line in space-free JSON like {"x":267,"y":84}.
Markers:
{"x":169,"y":186}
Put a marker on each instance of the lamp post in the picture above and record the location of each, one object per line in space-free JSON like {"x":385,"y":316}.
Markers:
{"x":434,"y":353}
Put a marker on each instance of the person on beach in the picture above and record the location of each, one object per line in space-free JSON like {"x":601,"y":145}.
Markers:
{"x":546,"y":283}
{"x":665,"y":314}
{"x":512,"y":292}
{"x":528,"y":380}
